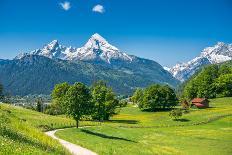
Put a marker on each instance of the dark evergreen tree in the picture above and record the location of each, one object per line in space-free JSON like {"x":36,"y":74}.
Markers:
{"x":39,"y":105}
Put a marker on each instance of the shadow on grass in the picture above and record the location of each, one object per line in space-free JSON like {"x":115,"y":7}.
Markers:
{"x":157,"y":110}
{"x":182,"y":120}
{"x":106,"y":136}
{"x":124,"y":121}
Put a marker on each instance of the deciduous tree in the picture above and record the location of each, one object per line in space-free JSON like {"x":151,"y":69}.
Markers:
{"x":137,"y":96}
{"x":105,"y":101}
{"x":78,"y":101}
{"x":58,"y":100}
{"x":158,"y":97}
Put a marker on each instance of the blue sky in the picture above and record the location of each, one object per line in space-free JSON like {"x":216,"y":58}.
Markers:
{"x":167,"y":31}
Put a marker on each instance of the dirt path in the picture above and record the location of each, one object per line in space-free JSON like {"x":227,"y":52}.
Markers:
{"x":73,"y":148}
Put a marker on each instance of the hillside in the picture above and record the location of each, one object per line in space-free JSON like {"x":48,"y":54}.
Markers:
{"x":211,"y":81}
{"x":21,"y":129}
{"x":207,"y":131}
{"x":34,"y":74}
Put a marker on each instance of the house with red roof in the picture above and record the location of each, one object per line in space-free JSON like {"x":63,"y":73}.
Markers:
{"x":200,"y":103}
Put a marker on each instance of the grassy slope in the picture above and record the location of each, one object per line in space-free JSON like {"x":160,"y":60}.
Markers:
{"x":21,"y":131}
{"x":136,"y":132}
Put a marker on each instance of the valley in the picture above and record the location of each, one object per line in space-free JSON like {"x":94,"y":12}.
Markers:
{"x":130,"y":131}
{"x":115,"y":77}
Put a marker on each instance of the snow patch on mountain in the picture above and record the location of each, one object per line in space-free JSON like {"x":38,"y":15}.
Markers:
{"x":221,"y":52}
{"x":166,"y":68}
{"x":97,"y":48}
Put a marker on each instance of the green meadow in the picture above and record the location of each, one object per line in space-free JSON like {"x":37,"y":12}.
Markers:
{"x":21,"y":131}
{"x":133,"y":132}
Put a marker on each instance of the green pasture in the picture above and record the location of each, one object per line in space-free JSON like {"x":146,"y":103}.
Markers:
{"x":132,"y":132}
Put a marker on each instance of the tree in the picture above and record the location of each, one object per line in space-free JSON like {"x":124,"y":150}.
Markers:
{"x":225,"y":69}
{"x":190,"y":90}
{"x":212,"y":81}
{"x":58,"y":100}
{"x":54,"y":109}
{"x":201,"y":85}
{"x":158,"y":97}
{"x":78,"y":101}
{"x":204,"y":82}
{"x":224,"y":85}
{"x":137,"y":96}
{"x":105,"y":101}
{"x":169,"y":97}
{"x":39,"y":105}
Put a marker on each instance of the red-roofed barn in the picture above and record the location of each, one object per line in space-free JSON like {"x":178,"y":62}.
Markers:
{"x":200,"y":102}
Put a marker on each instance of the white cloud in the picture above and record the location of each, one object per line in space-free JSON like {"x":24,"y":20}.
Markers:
{"x":98,"y":8}
{"x":65,"y":5}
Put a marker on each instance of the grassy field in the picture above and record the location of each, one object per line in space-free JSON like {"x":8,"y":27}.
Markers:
{"x":132,"y":132}
{"x":21,"y":131}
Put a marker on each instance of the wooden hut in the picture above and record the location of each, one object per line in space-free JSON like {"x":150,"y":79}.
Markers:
{"x":200,"y":103}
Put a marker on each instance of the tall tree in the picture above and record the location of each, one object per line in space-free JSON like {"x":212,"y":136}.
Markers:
{"x":58,"y":95}
{"x":105,"y":101}
{"x":137,"y":96}
{"x":224,"y":85}
{"x":78,"y":101}
{"x":39,"y":105}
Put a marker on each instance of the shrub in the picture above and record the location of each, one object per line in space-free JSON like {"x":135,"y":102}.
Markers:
{"x":123,"y":103}
{"x":176,"y":114}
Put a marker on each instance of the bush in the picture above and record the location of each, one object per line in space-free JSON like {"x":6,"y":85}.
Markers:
{"x":123,"y":103}
{"x":54,"y":109}
{"x":176,"y":114}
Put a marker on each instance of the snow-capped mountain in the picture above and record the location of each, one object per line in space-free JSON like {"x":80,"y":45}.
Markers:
{"x":221,"y":52}
{"x":96,"y":49}
{"x":96,"y":60}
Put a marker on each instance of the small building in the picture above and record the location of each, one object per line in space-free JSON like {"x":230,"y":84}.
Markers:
{"x":200,"y":103}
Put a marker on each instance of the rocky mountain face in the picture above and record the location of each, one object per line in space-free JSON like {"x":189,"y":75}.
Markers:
{"x":38,"y":71}
{"x":221,"y":52}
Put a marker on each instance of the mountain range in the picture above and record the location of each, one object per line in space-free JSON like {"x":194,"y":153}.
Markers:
{"x":218,"y":53}
{"x":37,"y":72}
{"x":97,"y":49}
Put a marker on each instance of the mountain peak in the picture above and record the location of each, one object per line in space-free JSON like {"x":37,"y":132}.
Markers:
{"x":96,"y":41}
{"x":52,"y":44}
{"x":218,"y":53}
{"x":98,"y":37}
{"x":220,"y":44}
{"x":98,"y":47}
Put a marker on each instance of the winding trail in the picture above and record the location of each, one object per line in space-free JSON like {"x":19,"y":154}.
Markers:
{"x":73,"y":148}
